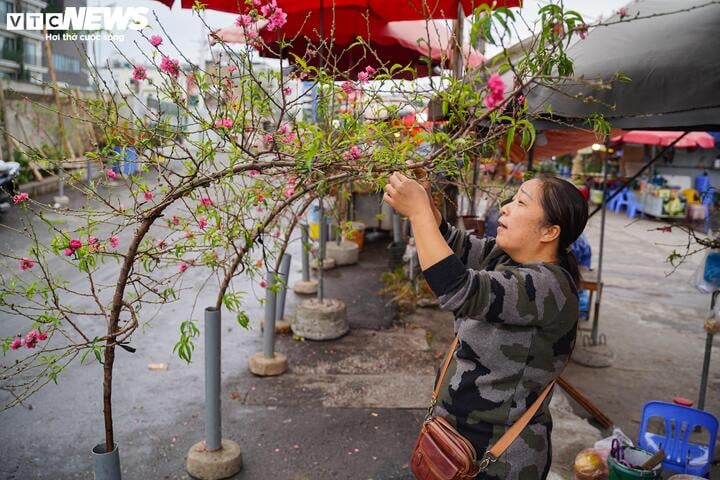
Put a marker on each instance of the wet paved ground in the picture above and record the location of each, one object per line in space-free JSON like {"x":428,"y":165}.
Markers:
{"x":348,"y":408}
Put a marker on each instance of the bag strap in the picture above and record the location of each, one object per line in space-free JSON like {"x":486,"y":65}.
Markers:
{"x":494,"y":452}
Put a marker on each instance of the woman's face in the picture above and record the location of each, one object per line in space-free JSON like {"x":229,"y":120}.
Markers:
{"x":521,"y":226}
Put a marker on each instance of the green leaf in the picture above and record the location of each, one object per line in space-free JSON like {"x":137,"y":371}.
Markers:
{"x":243,"y":319}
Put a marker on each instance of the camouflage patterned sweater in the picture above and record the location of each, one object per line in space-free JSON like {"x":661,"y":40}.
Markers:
{"x":516,"y":328}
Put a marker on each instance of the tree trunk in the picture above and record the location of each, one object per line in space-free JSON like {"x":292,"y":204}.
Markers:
{"x":107,"y":394}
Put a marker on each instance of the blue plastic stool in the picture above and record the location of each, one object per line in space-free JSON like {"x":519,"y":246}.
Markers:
{"x":681,"y":455}
{"x":622,"y":201}
{"x":612,"y":204}
{"x":633,"y":206}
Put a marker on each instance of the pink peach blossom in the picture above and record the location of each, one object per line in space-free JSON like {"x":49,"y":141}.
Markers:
{"x":348,"y":87}
{"x":114,"y":241}
{"x":111,"y":173}
{"x":17,"y":343}
{"x":183,"y":266}
{"x":202,"y":222}
{"x":69,"y":251}
{"x":26,"y":263}
{"x":148,"y":196}
{"x":21,"y":198}
{"x":244,"y":20}
{"x":170,"y":66}
{"x":156,"y":40}
{"x":139,"y":73}
{"x":75,"y":244}
{"x":175,"y":220}
{"x":206,"y":202}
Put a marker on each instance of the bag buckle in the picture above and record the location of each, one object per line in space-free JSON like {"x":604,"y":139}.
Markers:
{"x":487,"y":459}
{"x":430,"y":410}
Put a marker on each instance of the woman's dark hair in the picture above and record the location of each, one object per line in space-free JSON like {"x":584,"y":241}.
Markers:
{"x":565,"y":207}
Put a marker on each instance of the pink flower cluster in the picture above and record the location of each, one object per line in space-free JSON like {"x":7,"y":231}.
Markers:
{"x":290,"y":189}
{"x":26,"y":263}
{"x":31,"y":339}
{"x":352,"y":154}
{"x":171,"y":66}
{"x":21,"y":198}
{"x":364,"y":77}
{"x":74,"y":245}
{"x":114,"y":241}
{"x":139,"y":73}
{"x":348,"y":87}
{"x":111,"y":174}
{"x":497,"y":91}
{"x":223,"y":123}
{"x":277,"y":18}
{"x":205,"y":202}
{"x":202,"y":222}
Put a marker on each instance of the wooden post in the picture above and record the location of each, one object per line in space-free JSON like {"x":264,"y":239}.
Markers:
{"x":7,"y":150}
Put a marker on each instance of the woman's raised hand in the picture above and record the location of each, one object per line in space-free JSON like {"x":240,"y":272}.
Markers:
{"x":406,"y":196}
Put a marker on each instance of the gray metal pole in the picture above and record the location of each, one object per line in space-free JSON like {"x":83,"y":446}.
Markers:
{"x":705,"y":371}
{"x":321,"y":255}
{"x":305,"y":238}
{"x":397,"y":232}
{"x":270,"y":305}
{"x":598,"y":295}
{"x":212,"y":379}
{"x":706,"y":360}
{"x":284,"y":276}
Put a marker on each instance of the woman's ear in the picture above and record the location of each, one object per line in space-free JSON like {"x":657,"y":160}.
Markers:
{"x":550,"y":234}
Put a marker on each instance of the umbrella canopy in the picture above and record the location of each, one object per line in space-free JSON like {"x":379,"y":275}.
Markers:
{"x":672,"y":61}
{"x":386,"y":10}
{"x":665,"y":138}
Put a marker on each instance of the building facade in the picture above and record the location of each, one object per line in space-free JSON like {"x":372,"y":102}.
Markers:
{"x":21,"y":55}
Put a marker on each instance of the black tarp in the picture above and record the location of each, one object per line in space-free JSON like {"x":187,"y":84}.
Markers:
{"x":670,"y":49}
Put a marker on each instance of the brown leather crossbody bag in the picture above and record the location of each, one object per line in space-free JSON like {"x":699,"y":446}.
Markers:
{"x":441,"y":453}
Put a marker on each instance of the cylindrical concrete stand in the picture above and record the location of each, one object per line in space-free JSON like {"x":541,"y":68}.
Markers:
{"x":344,"y":253}
{"x":305,"y":286}
{"x":268,"y":362}
{"x":321,"y":319}
{"x":282,"y":325}
{"x":215,"y":457}
{"x":107,"y":464}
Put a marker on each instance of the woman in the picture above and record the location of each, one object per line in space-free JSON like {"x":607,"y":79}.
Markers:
{"x":515,"y":303}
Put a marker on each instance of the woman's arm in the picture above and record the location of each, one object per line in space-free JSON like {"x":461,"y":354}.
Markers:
{"x":532,"y":295}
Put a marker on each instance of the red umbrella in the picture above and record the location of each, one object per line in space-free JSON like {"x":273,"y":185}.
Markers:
{"x":665,"y":138}
{"x":386,"y":10}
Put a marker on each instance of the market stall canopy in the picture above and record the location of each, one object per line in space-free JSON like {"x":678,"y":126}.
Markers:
{"x":665,"y":138}
{"x":670,"y":49}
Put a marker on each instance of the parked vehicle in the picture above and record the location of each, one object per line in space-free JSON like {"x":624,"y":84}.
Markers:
{"x":9,"y":171}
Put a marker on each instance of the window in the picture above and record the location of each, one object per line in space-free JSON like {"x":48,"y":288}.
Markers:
{"x":61,"y":63}
{"x":8,"y":49}
{"x":31,"y":52}
{"x":6,"y":7}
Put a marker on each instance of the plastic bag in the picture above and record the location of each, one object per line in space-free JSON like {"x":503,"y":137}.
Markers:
{"x":606,"y":443}
{"x":591,"y":464}
{"x":707,"y":275}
